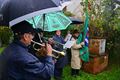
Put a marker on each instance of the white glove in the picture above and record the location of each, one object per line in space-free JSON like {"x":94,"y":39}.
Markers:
{"x":82,"y":43}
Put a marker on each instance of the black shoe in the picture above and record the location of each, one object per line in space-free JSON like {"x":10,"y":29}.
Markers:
{"x":73,"y":72}
{"x":77,"y":72}
{"x":74,"y":76}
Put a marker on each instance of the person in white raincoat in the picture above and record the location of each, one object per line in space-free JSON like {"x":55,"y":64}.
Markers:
{"x":75,"y":55}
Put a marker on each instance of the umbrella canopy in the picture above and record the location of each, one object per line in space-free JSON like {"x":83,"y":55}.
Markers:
{"x":1,"y":17}
{"x":51,"y":21}
{"x":15,"y":11}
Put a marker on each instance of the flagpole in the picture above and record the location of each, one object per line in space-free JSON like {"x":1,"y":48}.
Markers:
{"x":83,"y":37}
{"x":86,"y":19}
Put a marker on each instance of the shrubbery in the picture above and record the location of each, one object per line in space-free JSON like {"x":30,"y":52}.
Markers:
{"x":104,"y":22}
{"x":5,"y":34}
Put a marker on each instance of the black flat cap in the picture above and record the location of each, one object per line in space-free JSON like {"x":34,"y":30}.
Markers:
{"x":23,"y":27}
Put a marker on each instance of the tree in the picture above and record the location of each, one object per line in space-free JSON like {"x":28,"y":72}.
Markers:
{"x":105,"y":21}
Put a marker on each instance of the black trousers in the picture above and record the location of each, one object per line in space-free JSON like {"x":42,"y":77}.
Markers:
{"x":75,"y":72}
{"x":58,"y":73}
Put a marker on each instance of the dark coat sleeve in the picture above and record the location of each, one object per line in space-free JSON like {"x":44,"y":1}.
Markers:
{"x":32,"y":66}
{"x":22,"y":65}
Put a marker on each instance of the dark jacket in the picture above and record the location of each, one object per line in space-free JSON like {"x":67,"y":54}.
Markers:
{"x":62,"y":61}
{"x":21,"y":65}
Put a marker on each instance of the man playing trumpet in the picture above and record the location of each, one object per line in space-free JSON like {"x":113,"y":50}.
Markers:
{"x":19,"y":64}
{"x":38,"y":48}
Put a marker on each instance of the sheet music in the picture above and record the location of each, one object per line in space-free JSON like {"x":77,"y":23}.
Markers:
{"x":68,"y":44}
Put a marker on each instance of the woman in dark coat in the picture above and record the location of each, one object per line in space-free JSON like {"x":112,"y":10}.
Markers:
{"x":61,"y":61}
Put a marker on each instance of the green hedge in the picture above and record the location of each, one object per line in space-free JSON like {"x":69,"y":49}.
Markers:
{"x":5,"y":34}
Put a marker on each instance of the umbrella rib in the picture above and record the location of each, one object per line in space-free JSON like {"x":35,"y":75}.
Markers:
{"x":34,"y":22}
{"x":47,"y":21}
{"x":59,"y":21}
{"x":43,"y":21}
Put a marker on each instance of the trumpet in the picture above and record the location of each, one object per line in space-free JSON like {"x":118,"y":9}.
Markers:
{"x":60,"y":53}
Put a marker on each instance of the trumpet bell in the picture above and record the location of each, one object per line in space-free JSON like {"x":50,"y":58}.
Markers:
{"x":62,"y":53}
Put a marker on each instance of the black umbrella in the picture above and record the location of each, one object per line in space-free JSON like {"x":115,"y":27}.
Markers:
{"x":76,"y":20}
{"x":15,"y":11}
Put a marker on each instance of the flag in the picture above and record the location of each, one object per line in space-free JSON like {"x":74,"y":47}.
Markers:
{"x":83,"y":37}
{"x":87,"y":37}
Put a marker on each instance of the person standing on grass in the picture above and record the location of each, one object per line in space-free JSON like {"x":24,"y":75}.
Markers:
{"x":75,"y":55}
{"x":61,"y":61}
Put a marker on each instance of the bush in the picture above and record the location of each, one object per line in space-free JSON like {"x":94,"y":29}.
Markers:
{"x":5,"y":34}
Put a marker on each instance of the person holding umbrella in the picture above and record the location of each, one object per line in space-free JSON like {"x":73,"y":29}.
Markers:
{"x":19,"y":64}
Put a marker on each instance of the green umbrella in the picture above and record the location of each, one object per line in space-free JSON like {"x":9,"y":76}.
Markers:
{"x":50,"y":21}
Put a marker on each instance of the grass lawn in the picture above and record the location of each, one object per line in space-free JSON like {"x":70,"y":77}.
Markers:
{"x":111,"y":73}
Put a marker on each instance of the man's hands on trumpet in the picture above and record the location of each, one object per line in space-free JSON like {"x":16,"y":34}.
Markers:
{"x":45,"y":49}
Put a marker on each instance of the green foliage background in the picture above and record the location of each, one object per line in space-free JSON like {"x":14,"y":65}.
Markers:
{"x":5,"y":34}
{"x":105,"y":23}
